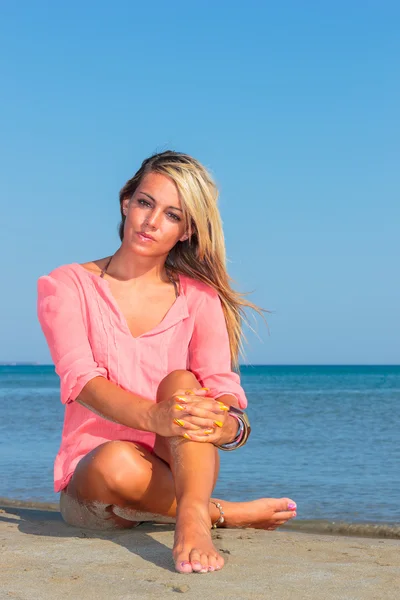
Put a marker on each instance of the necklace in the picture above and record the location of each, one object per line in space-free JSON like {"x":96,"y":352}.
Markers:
{"x":169,"y":275}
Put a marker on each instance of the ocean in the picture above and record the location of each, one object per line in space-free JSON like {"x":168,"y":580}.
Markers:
{"x":326,"y":436}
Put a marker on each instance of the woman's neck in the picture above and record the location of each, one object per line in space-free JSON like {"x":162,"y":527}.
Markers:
{"x":125,"y":266}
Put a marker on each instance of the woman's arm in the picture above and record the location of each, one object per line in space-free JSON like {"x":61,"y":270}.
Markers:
{"x":82,"y":379}
{"x":111,"y":402}
{"x":210,"y":360}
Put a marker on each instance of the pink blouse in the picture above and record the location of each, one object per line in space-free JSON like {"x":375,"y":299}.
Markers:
{"x":88,"y":337}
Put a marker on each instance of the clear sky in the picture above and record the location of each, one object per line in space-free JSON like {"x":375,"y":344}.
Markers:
{"x":293,"y":106}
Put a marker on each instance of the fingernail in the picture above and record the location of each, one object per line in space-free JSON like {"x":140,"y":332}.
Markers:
{"x":179,"y":407}
{"x":205,"y":389}
{"x":209,"y":431}
{"x":218,"y":423}
{"x":292,"y":506}
{"x":179,"y":422}
{"x":187,"y":436}
{"x":181,"y":398}
{"x":189,"y":392}
{"x":223,"y":406}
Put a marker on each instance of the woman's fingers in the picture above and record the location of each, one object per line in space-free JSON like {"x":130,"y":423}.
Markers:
{"x":203,"y":408}
{"x":192,"y":394}
{"x":202,"y":436}
{"x":199,"y":417}
{"x":199,"y":427}
{"x":195,"y":413}
{"x":204,"y":423}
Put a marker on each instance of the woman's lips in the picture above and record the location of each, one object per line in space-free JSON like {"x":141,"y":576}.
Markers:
{"x":144,"y":237}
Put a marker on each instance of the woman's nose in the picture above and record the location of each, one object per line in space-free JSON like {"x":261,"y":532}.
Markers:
{"x":153,"y":220}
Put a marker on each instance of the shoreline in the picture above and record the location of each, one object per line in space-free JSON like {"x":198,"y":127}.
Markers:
{"x":44,"y":558}
{"x":314,"y":526}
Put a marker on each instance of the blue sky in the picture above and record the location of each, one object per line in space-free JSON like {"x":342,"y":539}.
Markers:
{"x":294,"y":107}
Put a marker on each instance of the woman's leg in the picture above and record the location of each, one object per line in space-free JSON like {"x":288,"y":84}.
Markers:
{"x":193,"y":466}
{"x":123,"y":483}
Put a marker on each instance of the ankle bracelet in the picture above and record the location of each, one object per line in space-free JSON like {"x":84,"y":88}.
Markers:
{"x":221,"y":515}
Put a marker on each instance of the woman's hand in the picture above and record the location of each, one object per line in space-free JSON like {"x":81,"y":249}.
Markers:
{"x":222,"y":430}
{"x":186,"y":413}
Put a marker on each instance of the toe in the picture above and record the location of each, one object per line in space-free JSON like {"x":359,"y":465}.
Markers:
{"x":287,"y":504}
{"x":204,"y":563}
{"x":195,"y":561}
{"x":183,"y":566}
{"x":219,"y":562}
{"x":285,"y":515}
{"x":212,"y":562}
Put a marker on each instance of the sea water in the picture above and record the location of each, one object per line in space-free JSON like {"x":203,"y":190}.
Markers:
{"x":326,"y":436}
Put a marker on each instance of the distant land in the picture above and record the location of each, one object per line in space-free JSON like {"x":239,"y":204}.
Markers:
{"x":18,"y":364}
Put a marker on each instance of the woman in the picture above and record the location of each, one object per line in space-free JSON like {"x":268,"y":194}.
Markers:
{"x":144,"y":342}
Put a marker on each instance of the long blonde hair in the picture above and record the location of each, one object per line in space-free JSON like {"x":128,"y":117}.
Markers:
{"x":202,"y":256}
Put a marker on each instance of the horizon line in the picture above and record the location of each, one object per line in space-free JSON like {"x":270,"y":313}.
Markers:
{"x":38,"y":364}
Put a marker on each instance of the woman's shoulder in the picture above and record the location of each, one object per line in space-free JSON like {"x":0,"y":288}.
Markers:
{"x":71,"y":280}
{"x":197,"y":291}
{"x":78,"y":270}
{"x":74,"y":275}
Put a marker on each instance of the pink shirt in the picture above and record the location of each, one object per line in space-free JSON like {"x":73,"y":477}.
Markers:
{"x":88,"y":336}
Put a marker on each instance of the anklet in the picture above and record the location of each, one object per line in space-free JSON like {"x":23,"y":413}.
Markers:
{"x":221,"y":515}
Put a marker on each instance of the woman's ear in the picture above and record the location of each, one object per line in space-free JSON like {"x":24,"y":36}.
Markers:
{"x":184,"y":237}
{"x":125,"y":205}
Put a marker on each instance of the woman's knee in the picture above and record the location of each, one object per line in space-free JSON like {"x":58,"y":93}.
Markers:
{"x":112,"y":466}
{"x":176,"y":380}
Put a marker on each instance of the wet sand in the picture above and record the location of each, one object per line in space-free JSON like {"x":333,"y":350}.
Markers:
{"x":43,"y":558}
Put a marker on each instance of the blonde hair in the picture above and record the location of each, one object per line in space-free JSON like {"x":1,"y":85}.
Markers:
{"x":202,"y":256}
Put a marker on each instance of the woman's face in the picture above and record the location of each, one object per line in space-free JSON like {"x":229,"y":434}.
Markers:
{"x":154,"y":219}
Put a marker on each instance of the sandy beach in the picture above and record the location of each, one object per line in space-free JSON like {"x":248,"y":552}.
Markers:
{"x":43,"y":558}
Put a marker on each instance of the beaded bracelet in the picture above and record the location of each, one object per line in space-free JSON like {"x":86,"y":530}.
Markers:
{"x":221,"y":515}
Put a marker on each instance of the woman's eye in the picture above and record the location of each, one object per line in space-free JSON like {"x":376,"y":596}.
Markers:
{"x":174,"y":216}
{"x":143,"y":202}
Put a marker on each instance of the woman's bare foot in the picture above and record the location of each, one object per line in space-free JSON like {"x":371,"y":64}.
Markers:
{"x":193,"y":548}
{"x":265,"y":513}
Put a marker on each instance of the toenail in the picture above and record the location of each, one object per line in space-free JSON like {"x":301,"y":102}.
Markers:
{"x":184,"y":563}
{"x":211,"y":568}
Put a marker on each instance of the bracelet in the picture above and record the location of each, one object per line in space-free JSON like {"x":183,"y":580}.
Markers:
{"x":221,"y":515}
{"x":243,"y":433}
{"x":240,"y":431}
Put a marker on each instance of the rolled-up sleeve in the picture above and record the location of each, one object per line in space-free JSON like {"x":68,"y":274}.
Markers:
{"x":209,"y":351}
{"x":60,"y":316}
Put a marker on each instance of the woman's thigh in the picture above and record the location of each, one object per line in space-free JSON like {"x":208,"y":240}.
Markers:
{"x":116,"y":473}
{"x":122,"y":473}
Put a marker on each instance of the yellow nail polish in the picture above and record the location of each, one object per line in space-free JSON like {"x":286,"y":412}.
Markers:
{"x":181,"y":398}
{"x":179,"y":407}
{"x":189,"y":392}
{"x":179,"y":422}
{"x":187,"y":436}
{"x":218,"y":423}
{"x":209,"y":431}
{"x":223,"y":406}
{"x":205,"y":389}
